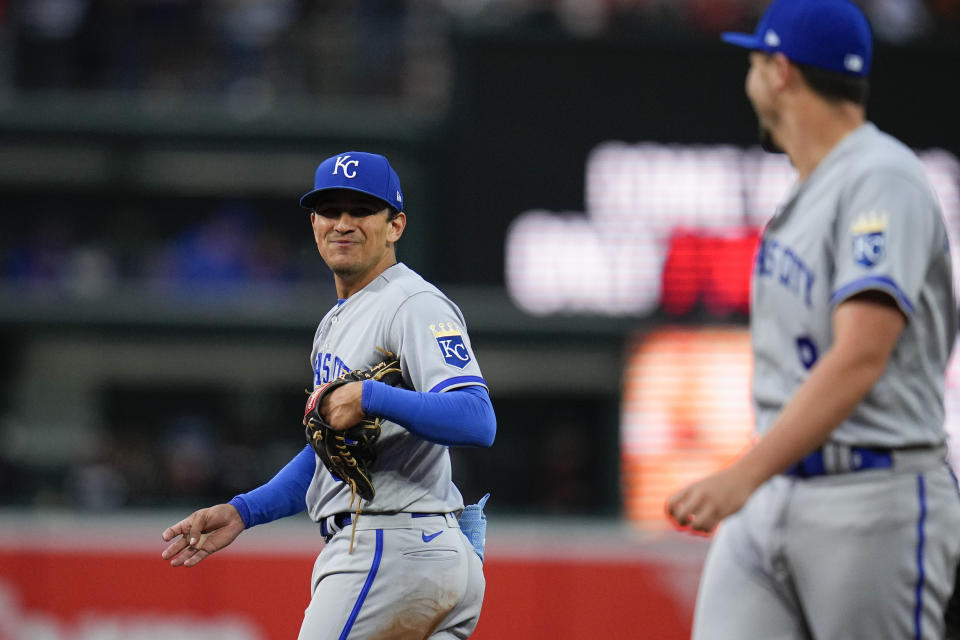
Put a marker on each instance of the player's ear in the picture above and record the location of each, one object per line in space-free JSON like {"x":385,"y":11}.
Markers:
{"x":782,"y":71}
{"x":395,"y":226}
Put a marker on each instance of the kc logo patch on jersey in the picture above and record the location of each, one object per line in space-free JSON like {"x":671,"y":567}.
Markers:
{"x":450,"y":340}
{"x":869,"y":237}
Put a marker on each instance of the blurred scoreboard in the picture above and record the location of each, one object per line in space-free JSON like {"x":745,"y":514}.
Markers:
{"x":667,"y":228}
{"x":685,"y":412}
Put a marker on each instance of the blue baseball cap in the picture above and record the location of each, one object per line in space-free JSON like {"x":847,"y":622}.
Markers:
{"x":367,"y":173}
{"x":827,"y":34}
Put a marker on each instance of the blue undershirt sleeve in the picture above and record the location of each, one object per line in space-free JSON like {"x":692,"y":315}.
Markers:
{"x":460,"y":417}
{"x":284,"y":495}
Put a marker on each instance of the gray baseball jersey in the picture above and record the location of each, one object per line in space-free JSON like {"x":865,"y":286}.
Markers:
{"x":867,"y":554}
{"x":402,"y":568}
{"x":402,"y":313}
{"x":865,"y":219}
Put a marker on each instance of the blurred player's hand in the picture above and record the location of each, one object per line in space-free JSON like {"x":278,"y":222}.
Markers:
{"x":702,"y":505}
{"x":201,"y":533}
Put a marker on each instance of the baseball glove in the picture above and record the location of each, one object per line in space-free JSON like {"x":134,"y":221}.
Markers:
{"x":350,"y":454}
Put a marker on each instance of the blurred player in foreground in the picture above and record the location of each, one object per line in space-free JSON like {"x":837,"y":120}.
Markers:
{"x":402,"y":568}
{"x":843,"y":519}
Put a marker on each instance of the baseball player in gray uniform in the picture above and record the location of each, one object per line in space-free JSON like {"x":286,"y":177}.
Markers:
{"x":842,"y":519}
{"x":403,"y":568}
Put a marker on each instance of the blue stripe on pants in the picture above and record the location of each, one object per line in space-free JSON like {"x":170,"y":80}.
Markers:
{"x":377,"y":555}
{"x":918,"y":607}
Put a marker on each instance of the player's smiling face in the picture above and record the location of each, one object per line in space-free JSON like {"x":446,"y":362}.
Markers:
{"x":355,"y":236}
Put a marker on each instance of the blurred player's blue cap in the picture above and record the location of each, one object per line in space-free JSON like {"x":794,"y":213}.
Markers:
{"x":367,"y":173}
{"x":827,"y":34}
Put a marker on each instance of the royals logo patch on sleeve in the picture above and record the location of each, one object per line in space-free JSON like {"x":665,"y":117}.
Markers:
{"x":450,"y":340}
{"x":869,"y":236}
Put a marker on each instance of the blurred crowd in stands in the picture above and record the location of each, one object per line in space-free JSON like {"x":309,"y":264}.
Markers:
{"x":187,"y":445}
{"x":257,"y":49}
{"x":217,"y":249}
{"x":277,"y":48}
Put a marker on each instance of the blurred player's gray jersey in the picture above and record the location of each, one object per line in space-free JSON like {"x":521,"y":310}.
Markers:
{"x":401,"y":313}
{"x":865,"y":219}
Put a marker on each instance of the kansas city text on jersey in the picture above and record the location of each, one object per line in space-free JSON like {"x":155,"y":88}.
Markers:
{"x":779,"y":261}
{"x":328,"y":367}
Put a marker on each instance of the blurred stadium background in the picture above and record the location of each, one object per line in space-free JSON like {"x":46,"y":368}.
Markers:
{"x":582,"y":179}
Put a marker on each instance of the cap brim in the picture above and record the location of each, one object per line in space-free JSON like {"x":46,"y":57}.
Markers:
{"x":745,"y":40}
{"x":308,"y":200}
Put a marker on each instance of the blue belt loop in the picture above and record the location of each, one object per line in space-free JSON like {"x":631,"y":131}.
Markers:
{"x":340,"y":520}
{"x":870,"y":459}
{"x":859,"y":459}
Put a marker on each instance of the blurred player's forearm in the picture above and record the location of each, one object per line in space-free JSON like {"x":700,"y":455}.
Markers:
{"x":865,"y":336}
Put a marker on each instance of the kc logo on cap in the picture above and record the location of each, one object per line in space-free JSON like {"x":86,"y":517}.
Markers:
{"x":344,"y":162}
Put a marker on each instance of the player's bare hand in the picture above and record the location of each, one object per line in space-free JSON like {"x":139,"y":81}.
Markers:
{"x":702,"y":505}
{"x":200,"y":534}
{"x":343,"y":408}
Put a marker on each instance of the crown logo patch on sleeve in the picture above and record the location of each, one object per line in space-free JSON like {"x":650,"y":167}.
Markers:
{"x":869,"y":236}
{"x":449,"y":338}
